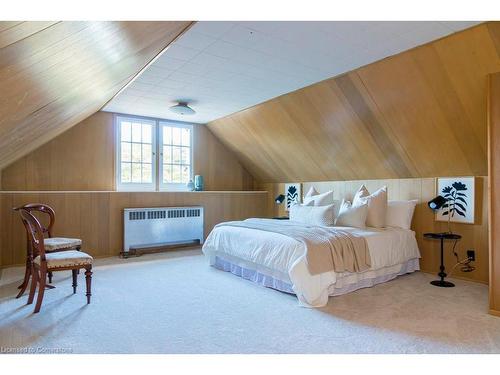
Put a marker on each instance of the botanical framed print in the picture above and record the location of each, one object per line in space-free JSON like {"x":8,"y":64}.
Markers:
{"x":459,"y":193}
{"x":293,"y":194}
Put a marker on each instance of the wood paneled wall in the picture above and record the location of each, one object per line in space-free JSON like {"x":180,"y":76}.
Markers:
{"x":494,"y":190}
{"x":421,"y":113}
{"x":97,"y":217}
{"x":83,"y":158}
{"x":217,"y":164}
{"x":423,"y":189}
{"x":55,"y":74}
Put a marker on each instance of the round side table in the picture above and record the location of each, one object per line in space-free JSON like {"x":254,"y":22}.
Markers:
{"x":442,"y":274}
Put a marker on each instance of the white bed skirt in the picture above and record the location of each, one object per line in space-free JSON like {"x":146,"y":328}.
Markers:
{"x":346,"y":283}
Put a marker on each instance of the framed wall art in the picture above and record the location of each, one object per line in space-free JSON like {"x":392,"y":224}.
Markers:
{"x":293,"y":194}
{"x":459,"y":193}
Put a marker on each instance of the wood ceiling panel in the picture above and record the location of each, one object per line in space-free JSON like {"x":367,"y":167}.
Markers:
{"x":12,"y":32}
{"x":53,"y":75}
{"x":5,"y":25}
{"x":421,"y":113}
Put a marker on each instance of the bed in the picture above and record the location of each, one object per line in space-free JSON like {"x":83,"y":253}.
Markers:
{"x":278,"y":261}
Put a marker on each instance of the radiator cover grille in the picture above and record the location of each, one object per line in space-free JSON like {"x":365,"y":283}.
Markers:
{"x":157,"y":226}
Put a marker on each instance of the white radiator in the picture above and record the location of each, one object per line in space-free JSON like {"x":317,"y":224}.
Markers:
{"x":161,"y":226}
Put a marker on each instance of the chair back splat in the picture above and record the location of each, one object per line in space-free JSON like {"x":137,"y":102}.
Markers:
{"x":46,"y":209}
{"x":35,"y":233}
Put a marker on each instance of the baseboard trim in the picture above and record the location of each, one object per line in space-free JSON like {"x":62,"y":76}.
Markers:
{"x":494,"y":312}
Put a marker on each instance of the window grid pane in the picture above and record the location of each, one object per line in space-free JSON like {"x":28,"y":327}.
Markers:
{"x":176,"y":148}
{"x":186,"y":137}
{"x":176,"y":155}
{"x":126,"y":151}
{"x":136,"y":132}
{"x":136,"y":155}
{"x":136,"y":173}
{"x":126,"y":172}
{"x":167,"y":154}
{"x":126,"y":131}
{"x":167,"y":135}
{"x":167,"y":173}
{"x":147,"y":173}
{"x":176,"y":136}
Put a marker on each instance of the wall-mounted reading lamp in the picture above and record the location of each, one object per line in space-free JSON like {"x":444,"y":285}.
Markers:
{"x":279,"y":199}
{"x":437,"y":202}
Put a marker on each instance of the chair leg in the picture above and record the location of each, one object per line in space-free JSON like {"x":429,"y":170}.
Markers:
{"x":27,"y":273}
{"x":88,"y":279}
{"x":75,"y":284}
{"x":34,"y":281}
{"x":41,"y":289}
{"x":26,"y":280}
{"x":50,"y":277}
{"x":78,"y":248}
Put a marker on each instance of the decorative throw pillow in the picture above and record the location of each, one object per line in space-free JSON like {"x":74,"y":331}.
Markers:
{"x":314,"y":215}
{"x":377,"y":205}
{"x":336,"y":207}
{"x":400,"y":213}
{"x":361,"y":193}
{"x":351,"y":216}
{"x":320,"y":199}
{"x":312,"y":191}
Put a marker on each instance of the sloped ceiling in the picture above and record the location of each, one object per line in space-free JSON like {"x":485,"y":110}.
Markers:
{"x":55,"y":74}
{"x":222,"y":67}
{"x":421,"y":113}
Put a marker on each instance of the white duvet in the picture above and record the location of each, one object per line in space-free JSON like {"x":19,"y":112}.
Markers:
{"x":283,"y":258}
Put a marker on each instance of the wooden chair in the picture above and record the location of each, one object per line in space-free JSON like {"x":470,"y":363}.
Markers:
{"x":52,"y":244}
{"x":43,"y":263}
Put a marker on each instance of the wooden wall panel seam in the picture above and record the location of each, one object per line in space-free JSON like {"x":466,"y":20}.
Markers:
{"x":412,"y":169}
{"x":372,"y":125}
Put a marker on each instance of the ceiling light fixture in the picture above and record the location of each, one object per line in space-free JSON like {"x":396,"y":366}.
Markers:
{"x":182,"y":108}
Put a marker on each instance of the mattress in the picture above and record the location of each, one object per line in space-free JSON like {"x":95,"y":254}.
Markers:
{"x":280,"y":260}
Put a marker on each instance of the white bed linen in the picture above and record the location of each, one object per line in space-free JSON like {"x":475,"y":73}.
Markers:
{"x":283,"y":258}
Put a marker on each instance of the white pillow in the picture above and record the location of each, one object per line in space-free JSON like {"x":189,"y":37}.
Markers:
{"x":312,"y":191}
{"x":361,"y":193}
{"x":315,"y":215}
{"x":377,"y":205}
{"x":320,"y":199}
{"x":350,"y":216}
{"x":336,"y":207}
{"x":400,"y":213}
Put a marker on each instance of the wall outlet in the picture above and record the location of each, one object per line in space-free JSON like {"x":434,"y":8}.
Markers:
{"x":471,"y":254}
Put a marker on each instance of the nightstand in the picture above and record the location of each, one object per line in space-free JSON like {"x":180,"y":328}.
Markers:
{"x":442,"y":274}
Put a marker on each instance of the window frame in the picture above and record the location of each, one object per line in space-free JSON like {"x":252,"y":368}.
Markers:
{"x":173,"y":186}
{"x":156,"y":155}
{"x":135,"y":186}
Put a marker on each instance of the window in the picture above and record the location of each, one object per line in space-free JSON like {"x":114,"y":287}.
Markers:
{"x":175,"y":150}
{"x":138,"y":154}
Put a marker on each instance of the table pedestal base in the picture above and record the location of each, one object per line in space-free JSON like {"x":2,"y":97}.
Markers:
{"x":442,"y":283}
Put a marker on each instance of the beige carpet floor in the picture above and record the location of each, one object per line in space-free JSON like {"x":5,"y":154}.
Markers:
{"x":176,"y":303}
